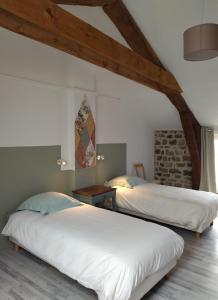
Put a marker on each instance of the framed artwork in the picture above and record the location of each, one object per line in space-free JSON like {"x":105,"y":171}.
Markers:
{"x":85,"y":133}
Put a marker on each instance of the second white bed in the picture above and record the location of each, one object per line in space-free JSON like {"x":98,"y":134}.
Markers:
{"x":190,"y":209}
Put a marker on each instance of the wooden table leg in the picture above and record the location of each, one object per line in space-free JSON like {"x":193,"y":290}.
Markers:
{"x":197,"y":235}
{"x":167,"y":276}
{"x":17,"y":248}
{"x":114,"y":203}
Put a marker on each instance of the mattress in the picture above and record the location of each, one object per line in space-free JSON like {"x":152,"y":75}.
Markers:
{"x":190,"y":209}
{"x":110,"y":253}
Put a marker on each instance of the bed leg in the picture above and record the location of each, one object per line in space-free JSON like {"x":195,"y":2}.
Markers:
{"x":17,"y":248}
{"x":197,"y":235}
{"x":167,"y":276}
{"x":211,"y":224}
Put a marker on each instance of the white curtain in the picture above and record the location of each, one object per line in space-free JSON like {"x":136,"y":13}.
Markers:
{"x":208,"y":177}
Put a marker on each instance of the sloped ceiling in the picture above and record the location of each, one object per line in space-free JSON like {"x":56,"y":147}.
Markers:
{"x":163,"y":23}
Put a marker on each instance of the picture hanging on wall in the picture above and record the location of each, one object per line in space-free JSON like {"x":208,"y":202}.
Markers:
{"x":85,"y":130}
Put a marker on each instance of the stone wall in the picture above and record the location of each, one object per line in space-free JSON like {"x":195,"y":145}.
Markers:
{"x":172,"y":159}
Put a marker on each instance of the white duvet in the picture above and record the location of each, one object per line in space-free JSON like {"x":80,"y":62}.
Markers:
{"x":108,"y":252}
{"x":194,"y":210}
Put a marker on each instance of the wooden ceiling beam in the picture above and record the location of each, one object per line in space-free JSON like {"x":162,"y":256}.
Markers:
{"x":84,"y":2}
{"x":125,"y":23}
{"x":52,"y":25}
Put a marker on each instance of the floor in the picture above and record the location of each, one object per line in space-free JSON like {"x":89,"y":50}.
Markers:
{"x":24,"y":277}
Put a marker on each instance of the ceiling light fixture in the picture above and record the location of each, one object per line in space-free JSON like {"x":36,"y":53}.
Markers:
{"x":201,"y":41}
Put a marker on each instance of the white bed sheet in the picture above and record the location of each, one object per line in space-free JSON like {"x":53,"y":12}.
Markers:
{"x":105,"y":251}
{"x":187,"y":208}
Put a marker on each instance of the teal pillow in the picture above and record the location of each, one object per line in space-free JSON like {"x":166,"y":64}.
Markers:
{"x":49,"y":202}
{"x":126,"y":181}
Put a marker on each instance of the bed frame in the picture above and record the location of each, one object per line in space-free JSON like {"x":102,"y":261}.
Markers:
{"x":143,"y":288}
{"x":148,"y":218}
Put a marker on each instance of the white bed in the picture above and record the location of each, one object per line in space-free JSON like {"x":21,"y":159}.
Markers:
{"x":119,"y":257}
{"x":186,"y":208}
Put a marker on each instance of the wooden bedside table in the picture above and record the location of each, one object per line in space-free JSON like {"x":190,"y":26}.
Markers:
{"x":96,"y":194}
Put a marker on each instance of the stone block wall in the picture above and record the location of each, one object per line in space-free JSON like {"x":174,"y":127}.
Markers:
{"x":172,"y":159}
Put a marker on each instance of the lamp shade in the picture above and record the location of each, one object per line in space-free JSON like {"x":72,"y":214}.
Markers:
{"x":201,"y":42}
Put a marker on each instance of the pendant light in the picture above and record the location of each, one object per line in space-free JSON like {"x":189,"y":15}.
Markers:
{"x":201,"y":41}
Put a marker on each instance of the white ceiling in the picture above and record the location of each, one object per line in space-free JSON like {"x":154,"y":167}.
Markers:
{"x":163,"y":23}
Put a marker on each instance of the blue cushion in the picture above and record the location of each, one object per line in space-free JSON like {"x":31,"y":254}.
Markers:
{"x":126,"y":181}
{"x":49,"y":202}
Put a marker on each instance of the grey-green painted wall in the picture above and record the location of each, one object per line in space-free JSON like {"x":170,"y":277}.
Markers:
{"x":114,"y":163}
{"x":26,"y":171}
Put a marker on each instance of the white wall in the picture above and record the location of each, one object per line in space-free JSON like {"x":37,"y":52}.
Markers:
{"x":32,"y":76}
{"x":29,"y":113}
{"x":119,"y":122}
{"x":33,"y":84}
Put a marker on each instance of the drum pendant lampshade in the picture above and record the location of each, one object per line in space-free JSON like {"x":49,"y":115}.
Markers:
{"x":201,"y":42}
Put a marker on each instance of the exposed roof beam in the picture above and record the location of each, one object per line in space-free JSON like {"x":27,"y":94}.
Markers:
{"x":192,"y":132}
{"x":48,"y":23}
{"x":131,"y":32}
{"x":125,"y":23}
{"x":84,"y":2}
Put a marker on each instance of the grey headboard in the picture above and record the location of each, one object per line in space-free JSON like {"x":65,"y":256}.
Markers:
{"x":114,"y":163}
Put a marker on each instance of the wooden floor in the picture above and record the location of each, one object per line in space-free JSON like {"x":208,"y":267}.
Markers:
{"x":24,"y":277}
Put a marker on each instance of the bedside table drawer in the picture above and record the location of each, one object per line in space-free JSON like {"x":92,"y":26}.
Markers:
{"x":109,"y":195}
{"x":106,"y":196}
{"x":81,"y":198}
{"x":96,"y":194}
{"x":99,"y":198}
